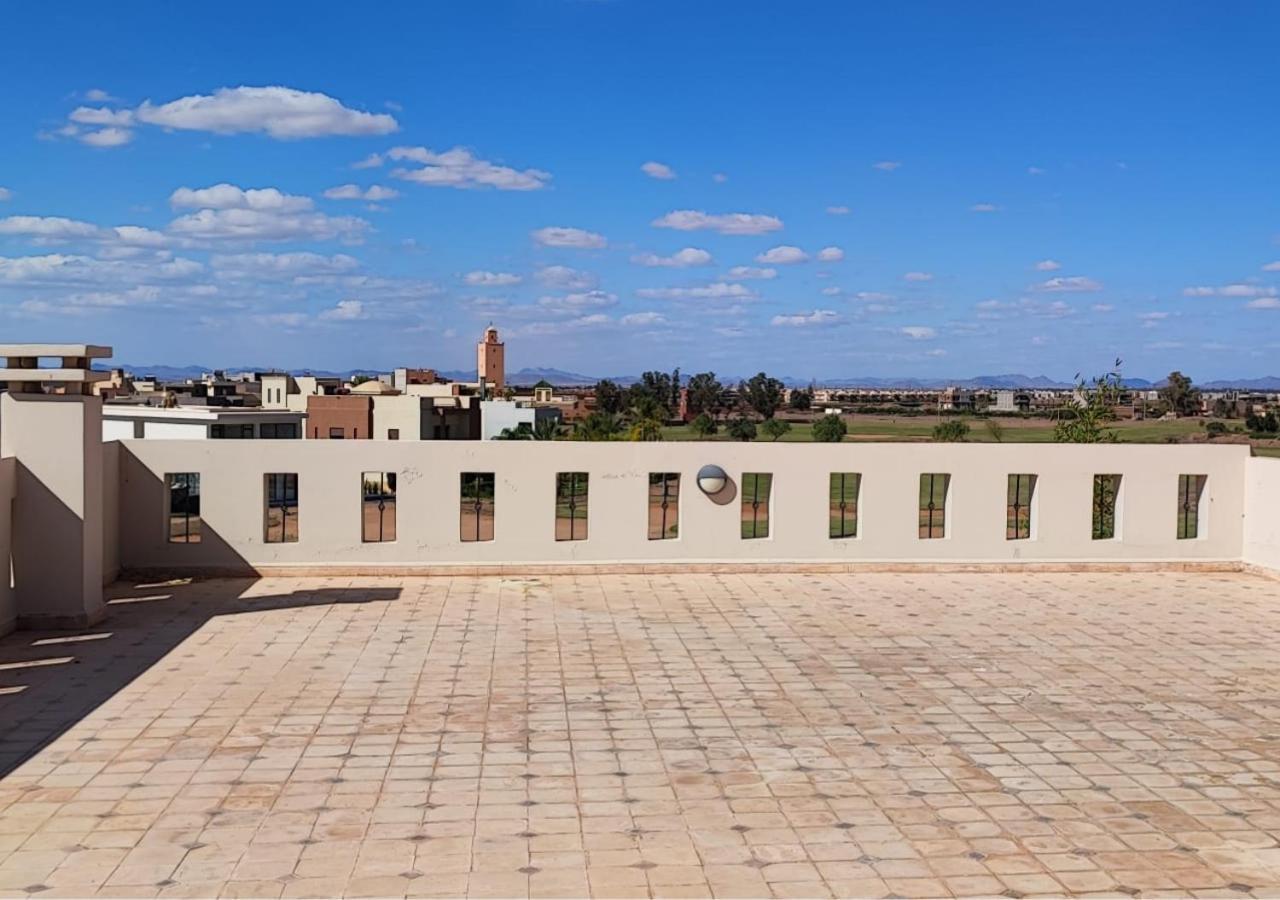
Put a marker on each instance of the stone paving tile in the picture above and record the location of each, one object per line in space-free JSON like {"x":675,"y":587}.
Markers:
{"x":731,"y":735}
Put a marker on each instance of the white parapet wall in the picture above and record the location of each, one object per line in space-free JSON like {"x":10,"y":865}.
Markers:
{"x":329,"y":477}
{"x":1262,"y":514}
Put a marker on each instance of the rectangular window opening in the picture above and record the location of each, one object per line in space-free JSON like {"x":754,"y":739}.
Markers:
{"x":184,"y":507}
{"x":842,"y":510}
{"x":476,"y":522}
{"x":1190,"y":495}
{"x":1022,"y":492}
{"x":378,"y":507}
{"x":664,"y":506}
{"x":756,"y":490}
{"x":571,"y":506}
{"x":934,"y":487}
{"x":1106,"y":505}
{"x":280,"y":491}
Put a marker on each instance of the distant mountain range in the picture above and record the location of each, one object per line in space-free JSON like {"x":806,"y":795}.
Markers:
{"x":561,"y":378}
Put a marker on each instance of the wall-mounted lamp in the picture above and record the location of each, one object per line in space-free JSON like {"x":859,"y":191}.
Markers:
{"x":711,"y":480}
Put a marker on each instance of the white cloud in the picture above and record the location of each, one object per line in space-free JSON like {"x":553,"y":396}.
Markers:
{"x":280,"y":265}
{"x":279,"y":112}
{"x":918,"y":276}
{"x":681,"y":259}
{"x":717,"y":291}
{"x":578,"y":302}
{"x":658,"y":170}
{"x":1152,"y":319}
{"x":751,"y":273}
{"x":838,"y":210}
{"x":105,"y":137}
{"x":5,"y":194}
{"x":1264,"y":303}
{"x":345,"y":311}
{"x":1034,"y":170}
{"x":830,"y":254}
{"x":782,"y":255}
{"x":873,"y":296}
{"x":286,"y":320}
{"x":459,"y":168}
{"x":374,"y":193}
{"x":1048,"y":265}
{"x":727,"y":223}
{"x":919,"y":332}
{"x":48,"y":228}
{"x":569,"y":237}
{"x":984,"y":208}
{"x":1269,"y":267}
{"x":97,"y":95}
{"x":565,"y":278}
{"x":832,"y":291}
{"x":372,"y":161}
{"x":801,"y":320}
{"x":265,"y":225}
{"x":229,"y":196}
{"x":1231,"y":290}
{"x":88,"y":115}
{"x":719,"y":178}
{"x":887,"y":165}
{"x":643,"y":318}
{"x":1069,"y":284}
{"x":491,"y":279}
{"x":1102,"y":308}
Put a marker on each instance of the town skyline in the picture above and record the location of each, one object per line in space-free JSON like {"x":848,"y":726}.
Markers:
{"x":318,"y":199}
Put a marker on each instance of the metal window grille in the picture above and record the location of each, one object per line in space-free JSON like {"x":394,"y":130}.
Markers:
{"x":1106,"y":493}
{"x":664,"y":506}
{"x":477,"y":507}
{"x":842,"y":514}
{"x":933,"y":505}
{"x":1190,"y":489}
{"x":281,"y":508}
{"x":184,"y":507}
{"x":571,"y":506}
{"x":1022,"y":489}
{"x":378,"y":507}
{"x":756,"y":488}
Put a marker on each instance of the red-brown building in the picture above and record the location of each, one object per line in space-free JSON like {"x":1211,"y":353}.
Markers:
{"x":340,"y":417}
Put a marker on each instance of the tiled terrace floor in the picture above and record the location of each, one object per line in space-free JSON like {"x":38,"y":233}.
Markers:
{"x":684,"y":735}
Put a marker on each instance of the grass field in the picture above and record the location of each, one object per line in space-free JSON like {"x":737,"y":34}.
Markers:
{"x":1015,"y":431}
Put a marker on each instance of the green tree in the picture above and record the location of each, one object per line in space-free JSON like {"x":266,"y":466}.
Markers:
{"x":1222,"y":409}
{"x":1088,"y":424}
{"x":609,"y":398}
{"x":995,"y":429}
{"x":521,"y":432}
{"x":775,"y":428}
{"x":646,"y":417}
{"x":830,"y":428}
{"x":706,"y":394}
{"x":742,"y":429}
{"x":762,"y":393}
{"x":546,"y":429}
{"x":1262,"y":423}
{"x":951,"y":430}
{"x":802,"y":399}
{"x":1179,"y":396}
{"x":655,"y":387}
{"x":598,"y":426}
{"x":704,"y":426}
{"x":1215,"y":429}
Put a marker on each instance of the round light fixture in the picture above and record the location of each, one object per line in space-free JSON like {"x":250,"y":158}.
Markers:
{"x":711,"y":480}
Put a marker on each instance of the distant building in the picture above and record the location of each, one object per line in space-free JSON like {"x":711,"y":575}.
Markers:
{"x":339,"y":417}
{"x":128,"y":421}
{"x":490,"y":360}
{"x":499,"y":415}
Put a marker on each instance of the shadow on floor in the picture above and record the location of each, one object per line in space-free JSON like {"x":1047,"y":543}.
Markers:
{"x":50,"y":680}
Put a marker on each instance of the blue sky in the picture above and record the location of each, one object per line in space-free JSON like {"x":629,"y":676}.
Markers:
{"x":815,"y":189}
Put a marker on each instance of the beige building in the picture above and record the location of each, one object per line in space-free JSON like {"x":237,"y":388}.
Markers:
{"x":491,"y":361}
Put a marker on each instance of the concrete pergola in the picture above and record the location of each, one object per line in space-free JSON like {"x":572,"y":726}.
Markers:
{"x":24,"y":375}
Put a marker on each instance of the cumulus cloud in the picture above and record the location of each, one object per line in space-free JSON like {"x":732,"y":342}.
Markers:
{"x":1102,"y":308}
{"x":719,"y":290}
{"x":239,"y":224}
{"x":345,"y":311}
{"x":373,"y":194}
{"x":782,"y":255}
{"x":491,"y":279}
{"x":801,"y":320}
{"x":565,"y":278}
{"x":752,"y":273}
{"x":1152,"y":319}
{"x":727,"y":223}
{"x":5,"y":194}
{"x":1048,"y":265}
{"x":229,"y":196}
{"x":1231,"y":290}
{"x":280,"y":265}
{"x":887,"y":165}
{"x":838,"y":210}
{"x":984,"y":208}
{"x":1264,"y":303}
{"x":830,"y":254}
{"x":658,"y":170}
{"x":279,"y":112}
{"x":556,"y":236}
{"x":918,"y":276}
{"x":578,"y":302}
{"x":681,"y":259}
{"x":1269,"y":267}
{"x":460,"y":168}
{"x":643,"y":318}
{"x":1069,"y":284}
{"x":919,"y":332}
{"x":48,"y":228}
